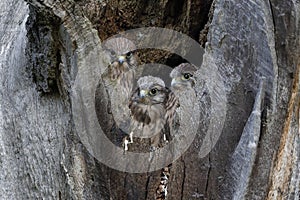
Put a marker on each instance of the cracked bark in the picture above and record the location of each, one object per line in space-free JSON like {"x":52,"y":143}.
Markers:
{"x":41,"y":154}
{"x":207,"y":176}
{"x":183,"y":179}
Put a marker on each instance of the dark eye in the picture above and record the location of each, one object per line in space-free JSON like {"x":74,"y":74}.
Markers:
{"x":153,"y":91}
{"x":128,"y":55}
{"x":113,"y":53}
{"x":187,"y":76}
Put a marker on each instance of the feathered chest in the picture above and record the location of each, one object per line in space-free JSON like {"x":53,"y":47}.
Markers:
{"x":147,"y":114}
{"x":149,"y":119}
{"x":126,"y":82}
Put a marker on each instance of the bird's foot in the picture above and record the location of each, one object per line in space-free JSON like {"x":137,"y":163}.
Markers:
{"x":165,"y":139}
{"x":131,"y":137}
{"x":125,"y":145}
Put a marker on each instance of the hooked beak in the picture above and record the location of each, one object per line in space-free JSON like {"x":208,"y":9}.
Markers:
{"x":175,"y":82}
{"x":143,"y":99}
{"x":143,"y":93}
{"x":121,"y":59}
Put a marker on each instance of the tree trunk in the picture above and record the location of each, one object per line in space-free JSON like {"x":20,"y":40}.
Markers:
{"x":254,"y":45}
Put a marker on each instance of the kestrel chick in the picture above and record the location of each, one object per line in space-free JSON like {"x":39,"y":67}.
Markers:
{"x":183,"y":77}
{"x":119,"y":78}
{"x":151,"y":108}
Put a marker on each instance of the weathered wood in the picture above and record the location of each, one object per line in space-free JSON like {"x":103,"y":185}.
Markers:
{"x":32,"y":127}
{"x":243,"y":157}
{"x":45,"y":43}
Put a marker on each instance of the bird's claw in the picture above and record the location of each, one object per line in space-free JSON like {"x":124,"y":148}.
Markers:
{"x":125,"y":144}
{"x":131,"y":137}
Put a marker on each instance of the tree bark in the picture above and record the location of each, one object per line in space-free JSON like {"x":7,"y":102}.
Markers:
{"x":254,"y":45}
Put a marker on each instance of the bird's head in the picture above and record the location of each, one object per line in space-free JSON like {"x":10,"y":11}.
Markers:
{"x":122,"y":56}
{"x":183,"y":76}
{"x":151,"y":90}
